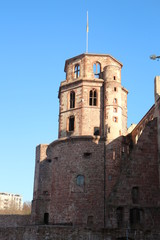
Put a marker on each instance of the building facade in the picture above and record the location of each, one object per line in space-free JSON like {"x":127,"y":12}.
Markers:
{"x":10,"y":201}
{"x":98,"y":174}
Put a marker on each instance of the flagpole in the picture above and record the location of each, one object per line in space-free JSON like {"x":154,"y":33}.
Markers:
{"x":87,"y":35}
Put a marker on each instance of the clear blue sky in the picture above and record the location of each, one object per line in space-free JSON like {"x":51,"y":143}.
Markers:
{"x":36,"y":37}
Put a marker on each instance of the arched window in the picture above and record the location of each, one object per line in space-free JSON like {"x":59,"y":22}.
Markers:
{"x":76,"y":71}
{"x":71,"y":124}
{"x":93,"y":97}
{"x":96,"y":69}
{"x":72,"y":99}
{"x":80,"y":180}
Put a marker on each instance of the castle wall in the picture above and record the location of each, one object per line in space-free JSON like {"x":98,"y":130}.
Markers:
{"x":140,"y":170}
{"x":69,"y":202}
{"x":14,"y":220}
{"x":74,"y":233}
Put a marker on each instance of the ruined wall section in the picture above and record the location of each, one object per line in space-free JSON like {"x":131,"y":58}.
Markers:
{"x":140,"y":172}
{"x":42,"y":182}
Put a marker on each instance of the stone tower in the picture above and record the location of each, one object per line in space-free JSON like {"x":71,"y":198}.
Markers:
{"x":92,"y":99}
{"x":75,"y":174}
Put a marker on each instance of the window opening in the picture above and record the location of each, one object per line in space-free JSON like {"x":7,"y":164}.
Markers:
{"x":119,"y":213}
{"x":96,"y":131}
{"x":96,"y":70}
{"x":87,"y":154}
{"x":115,"y":100}
{"x":134,"y":216}
{"x":76,"y":71}
{"x":49,"y":160}
{"x":72,"y":99}
{"x":135,"y":195}
{"x":109,"y":177}
{"x":114,"y":109}
{"x":115,"y":119}
{"x":80,"y":180}
{"x":114,"y":77}
{"x":90,"y":220}
{"x":71,"y":123}
{"x":93,"y":98}
{"x":114,"y":155}
{"x":115,"y":89}
{"x":46,"y":218}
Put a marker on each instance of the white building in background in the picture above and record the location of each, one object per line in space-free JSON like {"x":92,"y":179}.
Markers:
{"x":10,"y":201}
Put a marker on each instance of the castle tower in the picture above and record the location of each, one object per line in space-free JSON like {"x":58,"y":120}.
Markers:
{"x":92,"y":100}
{"x":75,"y":174}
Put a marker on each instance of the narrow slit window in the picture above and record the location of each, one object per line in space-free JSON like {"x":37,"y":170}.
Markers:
{"x":72,"y":99}
{"x":119,"y":213}
{"x":135,"y":195}
{"x":115,"y":119}
{"x":93,"y":98}
{"x":114,"y":155}
{"x":115,"y":100}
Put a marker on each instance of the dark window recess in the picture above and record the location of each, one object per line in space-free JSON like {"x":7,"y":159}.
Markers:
{"x":46,"y":218}
{"x":96,"y":131}
{"x":93,"y":98}
{"x":45,"y":192}
{"x":96,"y":70}
{"x":87,"y":154}
{"x":90,"y":220}
{"x":71,"y":123}
{"x":135,"y":216}
{"x":119,"y":213}
{"x":114,"y":77}
{"x":109,"y":177}
{"x":135,"y":195}
{"x":76,"y":71}
{"x":49,"y":160}
{"x":80,"y":180}
{"x":115,"y":89}
{"x":72,"y":99}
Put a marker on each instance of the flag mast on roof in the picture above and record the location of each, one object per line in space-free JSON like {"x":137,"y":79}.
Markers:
{"x":87,"y":30}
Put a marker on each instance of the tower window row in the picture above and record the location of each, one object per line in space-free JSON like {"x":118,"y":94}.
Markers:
{"x":96,"y":70}
{"x":92,"y":98}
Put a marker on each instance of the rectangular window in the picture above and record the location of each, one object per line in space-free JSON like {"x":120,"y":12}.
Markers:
{"x":119,"y":214}
{"x":71,"y":123}
{"x":135,"y":195}
{"x":96,"y":131}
